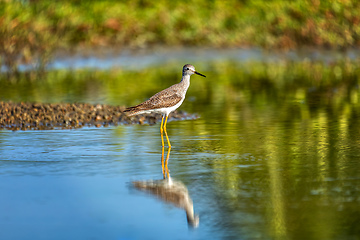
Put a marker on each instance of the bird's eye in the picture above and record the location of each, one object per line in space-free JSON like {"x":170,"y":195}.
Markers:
{"x":187,"y":68}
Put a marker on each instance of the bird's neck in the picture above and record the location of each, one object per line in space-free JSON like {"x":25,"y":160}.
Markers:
{"x":185,"y":81}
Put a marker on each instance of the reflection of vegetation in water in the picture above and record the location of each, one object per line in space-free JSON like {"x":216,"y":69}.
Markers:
{"x":298,"y":173}
{"x":314,"y":84}
{"x":293,"y":168}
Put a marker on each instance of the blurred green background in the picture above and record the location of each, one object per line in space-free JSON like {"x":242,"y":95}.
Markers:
{"x":31,"y":30}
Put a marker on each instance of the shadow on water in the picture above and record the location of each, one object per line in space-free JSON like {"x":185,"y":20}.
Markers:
{"x":170,"y":191}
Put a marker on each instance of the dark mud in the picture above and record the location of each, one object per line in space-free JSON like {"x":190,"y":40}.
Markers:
{"x":38,"y":116}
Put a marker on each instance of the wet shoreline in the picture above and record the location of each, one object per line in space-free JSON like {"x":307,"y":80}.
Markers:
{"x":46,"y":116}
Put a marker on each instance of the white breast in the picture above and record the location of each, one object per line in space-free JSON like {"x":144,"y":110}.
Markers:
{"x":168,"y":110}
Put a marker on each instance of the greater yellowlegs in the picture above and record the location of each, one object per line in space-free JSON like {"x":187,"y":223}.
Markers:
{"x":166,"y":101}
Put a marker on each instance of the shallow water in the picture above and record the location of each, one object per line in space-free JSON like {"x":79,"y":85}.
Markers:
{"x":76,"y":184}
{"x":257,"y":165}
{"x":106,"y":58}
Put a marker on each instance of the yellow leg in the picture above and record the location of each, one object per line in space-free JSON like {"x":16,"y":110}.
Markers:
{"x":167,"y":138}
{"x":162,"y":162}
{"x":166,"y":162}
{"x":161,"y":132}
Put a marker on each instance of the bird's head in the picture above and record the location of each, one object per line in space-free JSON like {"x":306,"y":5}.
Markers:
{"x":189,"y":69}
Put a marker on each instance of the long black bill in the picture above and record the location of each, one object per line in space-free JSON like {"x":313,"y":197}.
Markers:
{"x":199,"y":74}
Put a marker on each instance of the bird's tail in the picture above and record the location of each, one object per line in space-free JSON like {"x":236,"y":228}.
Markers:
{"x":131,"y":111}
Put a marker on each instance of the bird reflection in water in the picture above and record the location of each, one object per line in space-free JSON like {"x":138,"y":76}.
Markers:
{"x":170,"y":191}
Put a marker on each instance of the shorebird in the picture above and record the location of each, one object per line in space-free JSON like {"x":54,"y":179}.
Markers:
{"x":166,"y":101}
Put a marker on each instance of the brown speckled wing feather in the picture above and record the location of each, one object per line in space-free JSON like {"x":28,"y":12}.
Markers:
{"x":166,"y":98}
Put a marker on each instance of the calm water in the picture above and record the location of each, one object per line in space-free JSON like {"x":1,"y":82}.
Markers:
{"x":257,"y":165}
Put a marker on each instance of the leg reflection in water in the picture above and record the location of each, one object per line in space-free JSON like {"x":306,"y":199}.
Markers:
{"x":164,"y":165}
{"x":170,"y":191}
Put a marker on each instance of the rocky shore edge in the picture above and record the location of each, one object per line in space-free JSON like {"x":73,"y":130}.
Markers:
{"x":45,"y":116}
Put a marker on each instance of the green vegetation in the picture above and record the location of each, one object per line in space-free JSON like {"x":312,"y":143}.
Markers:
{"x":31,"y":30}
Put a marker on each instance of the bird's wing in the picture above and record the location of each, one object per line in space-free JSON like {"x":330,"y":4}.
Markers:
{"x":162,"y":99}
{"x":166,"y":98}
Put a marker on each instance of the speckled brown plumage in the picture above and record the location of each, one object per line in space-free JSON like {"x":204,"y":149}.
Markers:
{"x":164,"y":99}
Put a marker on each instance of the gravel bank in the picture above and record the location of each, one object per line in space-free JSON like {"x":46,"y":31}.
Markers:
{"x":38,"y":116}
